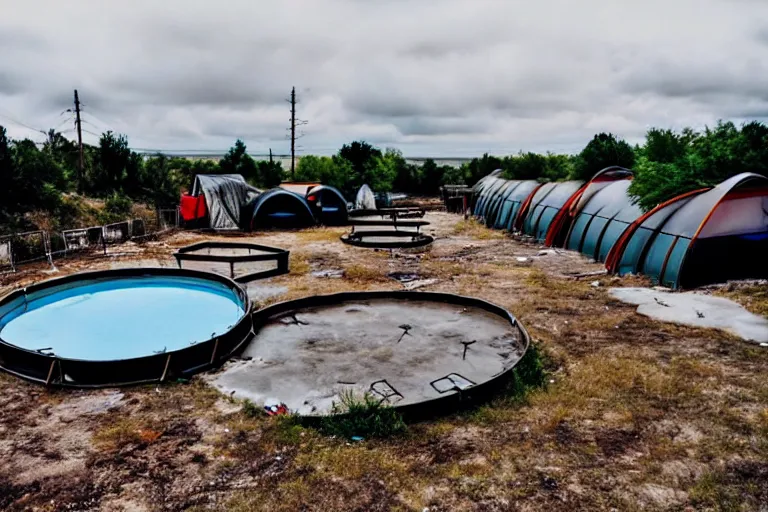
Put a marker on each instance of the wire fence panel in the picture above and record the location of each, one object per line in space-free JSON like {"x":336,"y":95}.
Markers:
{"x":6,"y":254}
{"x":138,"y":228}
{"x":20,"y":248}
{"x":117,"y":232}
{"x":28,"y":247}
{"x":167,"y":219}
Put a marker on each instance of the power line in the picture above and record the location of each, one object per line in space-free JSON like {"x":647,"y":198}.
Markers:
{"x":92,"y":133}
{"x":16,"y":121}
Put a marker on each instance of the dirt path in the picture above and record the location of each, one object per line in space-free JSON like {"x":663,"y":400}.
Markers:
{"x":638,"y":414}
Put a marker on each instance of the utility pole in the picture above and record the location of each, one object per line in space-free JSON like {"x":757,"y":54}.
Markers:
{"x":80,"y":144}
{"x":294,"y":123}
{"x":293,"y":132}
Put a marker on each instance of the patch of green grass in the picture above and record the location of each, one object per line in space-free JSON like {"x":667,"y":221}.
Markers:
{"x":365,"y":417}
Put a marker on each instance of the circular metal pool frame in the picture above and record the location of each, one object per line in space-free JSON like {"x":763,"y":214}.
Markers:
{"x":194,"y":252}
{"x":410,"y":239}
{"x":401,"y":213}
{"x":452,"y":399}
{"x":76,"y":373}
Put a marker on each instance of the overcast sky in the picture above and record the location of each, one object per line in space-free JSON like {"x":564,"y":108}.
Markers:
{"x":431,"y":77}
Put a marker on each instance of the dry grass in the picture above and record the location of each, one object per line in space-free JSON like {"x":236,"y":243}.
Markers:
{"x":365,"y":274}
{"x":299,"y":263}
{"x":321,"y":234}
{"x":472,"y":228}
{"x":754,"y":298}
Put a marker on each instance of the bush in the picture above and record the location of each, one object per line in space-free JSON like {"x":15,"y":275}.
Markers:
{"x":117,"y":208}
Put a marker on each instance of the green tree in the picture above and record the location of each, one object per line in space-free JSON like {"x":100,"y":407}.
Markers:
{"x":604,"y":150}
{"x":231,"y":162}
{"x":184,"y":170}
{"x":666,"y":146}
{"x":360,"y":155}
{"x":237,"y":161}
{"x":480,"y":167}
{"x":162,"y":189}
{"x":270,"y":174}
{"x":697,"y":160}
{"x":369,"y":166}
{"x":113,"y":157}
{"x":408,"y":177}
{"x":334,"y":171}
{"x":6,"y":176}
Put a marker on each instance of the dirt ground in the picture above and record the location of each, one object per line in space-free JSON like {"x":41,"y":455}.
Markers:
{"x":636,"y":415}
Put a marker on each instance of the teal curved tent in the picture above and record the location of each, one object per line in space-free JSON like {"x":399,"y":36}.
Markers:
{"x":704,"y":236}
{"x":484,"y":191}
{"x":602,"y":220}
{"x":546,"y":203}
{"x":511,"y":202}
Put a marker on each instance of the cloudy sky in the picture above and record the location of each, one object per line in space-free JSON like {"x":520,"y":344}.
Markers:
{"x":431,"y":77}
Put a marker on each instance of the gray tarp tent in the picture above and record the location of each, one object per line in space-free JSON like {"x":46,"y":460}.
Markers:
{"x":225,"y":194}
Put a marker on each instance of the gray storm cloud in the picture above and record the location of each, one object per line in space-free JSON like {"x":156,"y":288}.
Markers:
{"x":432,"y":78}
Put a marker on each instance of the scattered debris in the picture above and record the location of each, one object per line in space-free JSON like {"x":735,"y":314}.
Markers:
{"x":276,"y":410}
{"x":595,"y":284}
{"x":582,"y":275}
{"x":521,"y":259}
{"x":403,"y":277}
{"x":413,"y":285}
{"x":330,"y":273}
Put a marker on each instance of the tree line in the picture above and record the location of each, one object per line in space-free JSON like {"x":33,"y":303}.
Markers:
{"x":44,"y":179}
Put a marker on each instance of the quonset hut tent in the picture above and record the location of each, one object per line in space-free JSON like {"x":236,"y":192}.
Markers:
{"x":365,"y":200}
{"x":503,"y":210}
{"x":602,"y":220}
{"x":561,"y":225}
{"x":545,"y":205}
{"x":484,"y":191}
{"x":280,"y":208}
{"x":329,"y":205}
{"x":217,"y":199}
{"x":701,"y":237}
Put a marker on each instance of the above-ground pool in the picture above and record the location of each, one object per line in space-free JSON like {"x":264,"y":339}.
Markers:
{"x":122,"y":326}
{"x":421,"y":352}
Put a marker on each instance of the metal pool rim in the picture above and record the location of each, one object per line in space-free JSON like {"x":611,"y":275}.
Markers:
{"x":429,"y":408}
{"x":415,"y":239}
{"x":273,"y":253}
{"x":56,"y":371}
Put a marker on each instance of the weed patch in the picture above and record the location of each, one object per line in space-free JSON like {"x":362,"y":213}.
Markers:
{"x":365,"y":417}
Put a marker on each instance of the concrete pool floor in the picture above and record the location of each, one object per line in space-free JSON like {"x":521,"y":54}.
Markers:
{"x":402,"y":352}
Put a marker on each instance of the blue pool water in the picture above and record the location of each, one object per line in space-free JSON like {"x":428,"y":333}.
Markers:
{"x":121,"y":318}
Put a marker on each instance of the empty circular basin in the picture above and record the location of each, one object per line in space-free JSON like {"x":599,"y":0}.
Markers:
{"x":421,"y":352}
